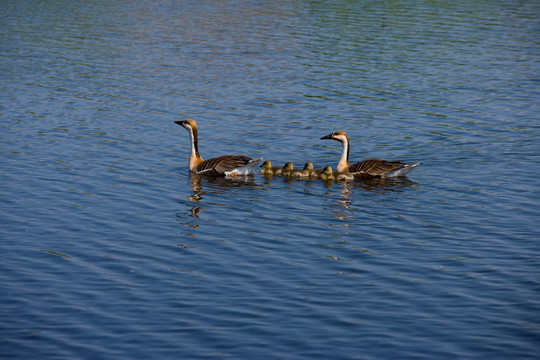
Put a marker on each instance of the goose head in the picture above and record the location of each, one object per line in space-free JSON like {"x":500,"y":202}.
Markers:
{"x":191,"y":126}
{"x":341,"y":136}
{"x":308,"y":166}
{"x":338,"y":135}
{"x":327,"y":170}
{"x":188,"y":124}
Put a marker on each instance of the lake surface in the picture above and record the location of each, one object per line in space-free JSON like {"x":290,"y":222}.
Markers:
{"x":110,"y":250}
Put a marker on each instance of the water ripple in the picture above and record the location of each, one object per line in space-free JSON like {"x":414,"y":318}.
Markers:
{"x":110,"y":249}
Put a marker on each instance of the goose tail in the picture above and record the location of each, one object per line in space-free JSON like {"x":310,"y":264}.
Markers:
{"x":248,"y":169}
{"x":401,"y":171}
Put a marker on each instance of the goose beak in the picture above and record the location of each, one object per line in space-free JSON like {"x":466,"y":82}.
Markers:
{"x":329,"y":136}
{"x":181,"y":123}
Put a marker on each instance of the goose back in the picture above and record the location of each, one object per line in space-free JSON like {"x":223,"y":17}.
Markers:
{"x":223,"y":165}
{"x":378,"y":168}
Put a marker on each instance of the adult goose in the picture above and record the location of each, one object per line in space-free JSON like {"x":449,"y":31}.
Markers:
{"x":371,"y":168}
{"x":226,"y":165}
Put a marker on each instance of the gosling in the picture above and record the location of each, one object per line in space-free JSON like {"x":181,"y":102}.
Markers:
{"x":286,"y":169}
{"x":269,"y":170}
{"x":327,"y":174}
{"x":344,"y":176}
{"x":313,"y":173}
{"x":292,"y":173}
{"x":306,"y":172}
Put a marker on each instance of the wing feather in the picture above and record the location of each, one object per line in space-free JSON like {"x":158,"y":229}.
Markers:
{"x":219,"y":165}
{"x":376,"y":167}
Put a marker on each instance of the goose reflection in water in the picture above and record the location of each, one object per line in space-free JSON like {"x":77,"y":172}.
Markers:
{"x":370,"y":184}
{"x":216,"y":185}
{"x":342,"y":208}
{"x":376,"y":185}
{"x":207,"y":186}
{"x":201,"y":186}
{"x":396,"y":184}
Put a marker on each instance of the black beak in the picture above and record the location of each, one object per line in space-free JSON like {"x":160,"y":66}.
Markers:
{"x":182,"y":123}
{"x":329,"y":136}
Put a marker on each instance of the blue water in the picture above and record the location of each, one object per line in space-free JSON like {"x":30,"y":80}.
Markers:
{"x":110,"y":250}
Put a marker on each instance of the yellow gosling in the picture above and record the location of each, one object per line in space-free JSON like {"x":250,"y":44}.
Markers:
{"x":269,"y":170}
{"x":313,"y":173}
{"x":327,"y":174}
{"x":344,"y":176}
{"x":286,"y":169}
{"x":292,"y":173}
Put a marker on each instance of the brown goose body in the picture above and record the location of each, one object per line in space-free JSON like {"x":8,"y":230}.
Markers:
{"x":226,"y":165}
{"x":379,"y":168}
{"x":372,"y":168}
{"x":223,"y":165}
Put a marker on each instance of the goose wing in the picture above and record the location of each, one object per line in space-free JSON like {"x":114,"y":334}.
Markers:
{"x":376,"y":167}
{"x":219,"y":165}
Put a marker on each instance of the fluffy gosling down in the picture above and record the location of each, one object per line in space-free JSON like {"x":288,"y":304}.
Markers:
{"x":313,"y":173}
{"x":286,"y":169}
{"x":305,"y":173}
{"x":269,"y":170}
{"x":290,"y":172}
{"x":328,"y":175}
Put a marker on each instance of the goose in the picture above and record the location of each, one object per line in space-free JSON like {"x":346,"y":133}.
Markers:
{"x":327,"y":174}
{"x":269,"y":170}
{"x":226,"y":165}
{"x":371,"y":168}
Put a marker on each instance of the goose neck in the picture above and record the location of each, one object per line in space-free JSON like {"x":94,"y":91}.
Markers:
{"x":343,"y":164}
